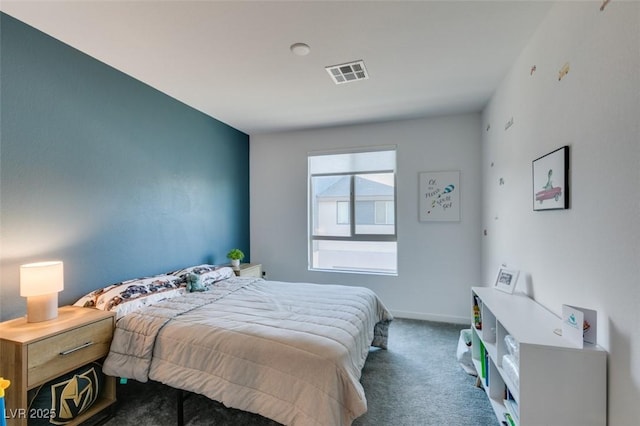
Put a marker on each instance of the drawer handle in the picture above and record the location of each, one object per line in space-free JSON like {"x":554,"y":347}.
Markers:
{"x":69,"y":351}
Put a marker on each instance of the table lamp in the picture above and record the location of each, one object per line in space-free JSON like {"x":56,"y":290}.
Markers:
{"x":40,"y":283}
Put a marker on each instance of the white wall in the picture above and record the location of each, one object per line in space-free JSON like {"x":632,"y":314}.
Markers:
{"x":588,"y":255}
{"x":438,"y":262}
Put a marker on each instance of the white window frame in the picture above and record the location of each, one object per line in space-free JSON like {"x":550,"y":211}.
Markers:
{"x":354,"y":236}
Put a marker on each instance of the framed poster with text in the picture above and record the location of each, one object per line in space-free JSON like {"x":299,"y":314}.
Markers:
{"x":439,"y":196}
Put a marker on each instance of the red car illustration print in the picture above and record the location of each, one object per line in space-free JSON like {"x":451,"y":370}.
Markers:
{"x":547,"y":194}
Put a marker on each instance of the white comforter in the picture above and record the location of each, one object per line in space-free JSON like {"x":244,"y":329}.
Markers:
{"x":289,"y":351}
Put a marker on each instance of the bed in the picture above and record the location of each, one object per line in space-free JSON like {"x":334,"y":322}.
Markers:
{"x":292,"y":352}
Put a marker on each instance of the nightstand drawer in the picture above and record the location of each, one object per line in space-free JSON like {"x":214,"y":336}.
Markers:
{"x":50,"y":357}
{"x":249,"y":270}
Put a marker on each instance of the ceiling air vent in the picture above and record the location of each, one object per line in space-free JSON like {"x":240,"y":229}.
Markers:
{"x":346,"y":73}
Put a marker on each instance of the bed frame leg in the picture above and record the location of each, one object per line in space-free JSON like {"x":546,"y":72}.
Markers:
{"x":180,"y":406}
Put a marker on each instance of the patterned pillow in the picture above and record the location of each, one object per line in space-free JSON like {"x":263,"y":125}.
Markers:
{"x":131,"y":295}
{"x":198,"y":278}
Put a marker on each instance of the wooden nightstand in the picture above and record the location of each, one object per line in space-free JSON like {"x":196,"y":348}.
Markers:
{"x":35,"y":353}
{"x":249,"y":270}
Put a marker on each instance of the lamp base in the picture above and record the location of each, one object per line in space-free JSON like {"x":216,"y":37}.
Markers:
{"x":42,"y":308}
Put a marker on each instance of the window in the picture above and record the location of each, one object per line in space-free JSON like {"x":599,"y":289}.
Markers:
{"x":342,"y":215}
{"x":352,"y":205}
{"x":385,"y":212}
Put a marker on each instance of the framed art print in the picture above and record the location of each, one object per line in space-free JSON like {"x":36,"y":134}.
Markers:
{"x":551,"y":180}
{"x":439,"y":197}
{"x":506,"y":280}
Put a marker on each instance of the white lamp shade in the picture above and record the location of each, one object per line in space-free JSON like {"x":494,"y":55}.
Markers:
{"x":41,"y":278}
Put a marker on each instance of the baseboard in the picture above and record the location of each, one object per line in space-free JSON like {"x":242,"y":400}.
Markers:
{"x":432,"y":317}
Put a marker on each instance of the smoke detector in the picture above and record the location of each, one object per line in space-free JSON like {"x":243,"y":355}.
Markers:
{"x":300,"y":49}
{"x":347,"y":73}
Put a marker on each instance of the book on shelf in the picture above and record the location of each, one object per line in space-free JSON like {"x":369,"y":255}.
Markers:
{"x":486,"y":363}
{"x":509,"y":419}
{"x":483,"y":361}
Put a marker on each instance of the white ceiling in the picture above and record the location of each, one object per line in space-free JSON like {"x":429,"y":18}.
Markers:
{"x":231,"y":60}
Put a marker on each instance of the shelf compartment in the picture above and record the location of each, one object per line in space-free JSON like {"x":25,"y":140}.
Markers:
{"x":488,"y":325}
{"x":512,"y":409}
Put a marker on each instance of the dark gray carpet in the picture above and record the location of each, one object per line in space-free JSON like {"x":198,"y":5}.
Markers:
{"x":417,"y":381}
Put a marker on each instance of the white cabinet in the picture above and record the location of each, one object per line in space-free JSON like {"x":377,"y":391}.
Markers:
{"x":557,"y":383}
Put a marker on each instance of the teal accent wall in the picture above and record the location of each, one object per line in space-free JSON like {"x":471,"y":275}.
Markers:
{"x":107,"y":174}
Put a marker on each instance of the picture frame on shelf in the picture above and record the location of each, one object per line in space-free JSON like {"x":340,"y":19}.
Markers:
{"x":551,"y":180}
{"x":506,"y":280}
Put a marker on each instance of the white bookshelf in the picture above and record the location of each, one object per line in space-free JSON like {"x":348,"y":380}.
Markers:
{"x":559,"y":384}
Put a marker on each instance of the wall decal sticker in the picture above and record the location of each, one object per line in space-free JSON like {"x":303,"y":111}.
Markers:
{"x":563,"y":71}
{"x":509,"y":123}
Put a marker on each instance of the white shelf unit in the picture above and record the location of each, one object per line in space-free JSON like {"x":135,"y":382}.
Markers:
{"x":559,"y":384}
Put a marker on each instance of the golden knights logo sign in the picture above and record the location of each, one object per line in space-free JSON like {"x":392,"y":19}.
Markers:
{"x":66,"y":397}
{"x":74,"y":396}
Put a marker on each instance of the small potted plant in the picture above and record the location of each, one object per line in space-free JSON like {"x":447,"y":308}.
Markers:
{"x":236,"y":255}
